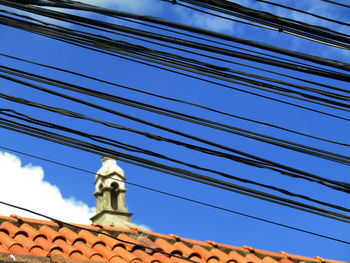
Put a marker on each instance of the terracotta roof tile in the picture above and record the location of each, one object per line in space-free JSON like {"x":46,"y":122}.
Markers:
{"x":146,"y":258}
{"x":60,"y":244}
{"x":70,"y":235}
{"x":223,"y":257}
{"x":51,"y":233}
{"x":166,"y":246}
{"x":12,"y":229}
{"x":238,"y":257}
{"x":162,"y":258}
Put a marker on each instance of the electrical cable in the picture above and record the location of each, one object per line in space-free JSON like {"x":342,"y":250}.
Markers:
{"x":304,"y":12}
{"x":86,"y":7}
{"x":308,"y":37}
{"x":337,"y":3}
{"x":283,"y":24}
{"x":254,"y":84}
{"x":180,"y":197}
{"x":264,"y":78}
{"x":180,"y":33}
{"x":21,"y":128}
{"x":294,"y":172}
{"x":17,"y":24}
{"x":190,"y":118}
{"x":173,"y":99}
{"x":128,"y":147}
{"x":147,"y":135}
{"x":104,"y":11}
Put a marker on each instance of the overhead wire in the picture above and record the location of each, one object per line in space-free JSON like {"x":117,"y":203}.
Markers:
{"x":245,"y":91}
{"x":269,"y":27}
{"x":337,"y":3}
{"x":186,"y":117}
{"x":283,"y":24}
{"x":128,"y":147}
{"x":180,"y":197}
{"x":211,"y":67}
{"x":110,"y":12}
{"x":173,"y":99}
{"x":146,"y":134}
{"x":286,"y":170}
{"x":305,"y":12}
{"x":75,"y":143}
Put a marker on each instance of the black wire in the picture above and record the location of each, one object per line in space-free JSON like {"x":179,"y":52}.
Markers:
{"x":113,"y":13}
{"x":110,"y":12}
{"x":270,"y":26}
{"x":294,"y":172}
{"x":333,"y":95}
{"x":192,"y":52}
{"x":181,"y":197}
{"x":189,"y":118}
{"x":99,"y":50}
{"x":112,"y":142}
{"x":304,"y":12}
{"x":283,"y":24}
{"x":148,"y":135}
{"x":189,"y":35}
{"x":21,"y":128}
{"x":173,"y":99}
{"x":337,"y":3}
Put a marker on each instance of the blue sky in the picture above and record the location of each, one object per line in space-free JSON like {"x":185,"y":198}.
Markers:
{"x":39,"y":185}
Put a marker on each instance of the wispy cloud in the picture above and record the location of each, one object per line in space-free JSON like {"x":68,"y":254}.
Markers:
{"x":204,"y":20}
{"x":144,"y":6}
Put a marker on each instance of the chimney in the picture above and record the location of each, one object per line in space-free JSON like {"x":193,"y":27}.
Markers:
{"x":110,"y":195}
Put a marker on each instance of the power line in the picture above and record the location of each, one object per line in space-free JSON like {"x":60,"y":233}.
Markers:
{"x":266,"y":26}
{"x":191,"y":70}
{"x":182,"y":198}
{"x":337,"y":3}
{"x":290,"y":171}
{"x":304,"y":12}
{"x":173,"y":99}
{"x":128,"y":147}
{"x":283,"y":24}
{"x":157,"y":137}
{"x":110,"y":12}
{"x":75,"y":143}
{"x":190,"y":118}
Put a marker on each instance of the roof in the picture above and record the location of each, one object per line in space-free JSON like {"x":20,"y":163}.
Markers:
{"x":32,"y":240}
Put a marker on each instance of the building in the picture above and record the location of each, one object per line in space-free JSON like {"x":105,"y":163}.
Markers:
{"x":113,"y":238}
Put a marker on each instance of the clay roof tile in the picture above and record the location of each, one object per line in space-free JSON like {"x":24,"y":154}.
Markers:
{"x":146,"y":258}
{"x":90,"y":238}
{"x":52,"y":234}
{"x":70,"y":235}
{"x":166,"y":246}
{"x":238,"y":257}
{"x":31,"y":231}
{"x":12,"y":229}
{"x":223,"y":257}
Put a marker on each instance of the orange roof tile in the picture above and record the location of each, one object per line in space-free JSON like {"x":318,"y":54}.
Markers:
{"x":39,"y":241}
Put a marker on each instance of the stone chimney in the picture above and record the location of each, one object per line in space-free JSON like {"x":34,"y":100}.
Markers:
{"x":110,"y":195}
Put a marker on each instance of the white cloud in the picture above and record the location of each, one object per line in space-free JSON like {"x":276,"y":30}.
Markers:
{"x":25,"y":186}
{"x":204,"y":20}
{"x":144,"y":6}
